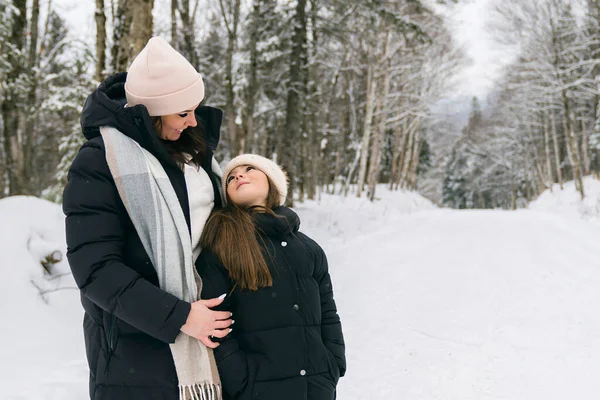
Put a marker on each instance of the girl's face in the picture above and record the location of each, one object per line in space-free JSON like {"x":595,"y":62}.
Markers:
{"x":172,"y":125}
{"x":247,"y":186}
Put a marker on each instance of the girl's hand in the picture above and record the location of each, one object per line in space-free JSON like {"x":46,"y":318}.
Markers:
{"x":202,"y":322}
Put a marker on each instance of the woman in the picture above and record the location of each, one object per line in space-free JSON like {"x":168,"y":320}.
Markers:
{"x":287,"y":342}
{"x":144,"y":339}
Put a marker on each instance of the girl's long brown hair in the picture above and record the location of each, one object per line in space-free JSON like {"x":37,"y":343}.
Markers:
{"x":231,"y":234}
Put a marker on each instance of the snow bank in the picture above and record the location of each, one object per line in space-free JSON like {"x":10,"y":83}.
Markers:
{"x":334,"y":220}
{"x":568,"y":201}
{"x":41,"y":341}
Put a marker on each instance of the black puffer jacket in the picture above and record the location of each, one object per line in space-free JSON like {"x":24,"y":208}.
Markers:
{"x":287,"y":341}
{"x":129,"y":321}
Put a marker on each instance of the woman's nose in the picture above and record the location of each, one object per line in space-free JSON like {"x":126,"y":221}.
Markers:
{"x":191,"y":120}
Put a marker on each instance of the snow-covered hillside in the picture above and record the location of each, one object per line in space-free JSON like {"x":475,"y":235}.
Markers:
{"x":435,"y":304}
{"x":568,"y":201}
{"x":334,"y":220}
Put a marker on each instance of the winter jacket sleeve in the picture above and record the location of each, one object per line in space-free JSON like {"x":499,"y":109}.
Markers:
{"x":95,"y":227}
{"x":237,"y":369}
{"x":331,"y":327}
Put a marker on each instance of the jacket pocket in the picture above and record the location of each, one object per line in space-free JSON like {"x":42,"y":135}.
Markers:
{"x":334,"y":370}
{"x":111,"y":339}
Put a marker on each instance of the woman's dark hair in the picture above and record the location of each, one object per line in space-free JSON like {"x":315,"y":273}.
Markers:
{"x":230,"y":233}
{"x":190,"y":142}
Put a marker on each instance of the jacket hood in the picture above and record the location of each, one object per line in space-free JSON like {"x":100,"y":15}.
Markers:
{"x":106,"y":107}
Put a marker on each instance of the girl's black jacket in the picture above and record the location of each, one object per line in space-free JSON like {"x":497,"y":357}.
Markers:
{"x":287,"y":341}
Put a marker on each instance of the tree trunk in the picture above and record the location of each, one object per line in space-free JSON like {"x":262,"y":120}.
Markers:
{"x":396,"y":151}
{"x":382,"y":105}
{"x":30,"y":111}
{"x":353,"y":134}
{"x":557,"y":157}
{"x":122,"y":40}
{"x":407,"y":160}
{"x":141,"y":25}
{"x":311,"y":159}
{"x":572,"y":145}
{"x":548,"y":157}
{"x":399,"y":167}
{"x":404,"y":150}
{"x":375,"y":149}
{"x":2,"y":168}
{"x":414,"y":164}
{"x":585,"y":147}
{"x":340,"y":154}
{"x":187,"y":15}
{"x":296,"y":92}
{"x":513,"y":194}
{"x":100,"y":17}
{"x":526,"y":175}
{"x":174,"y":38}
{"x":364,"y":147}
{"x":316,"y":103}
{"x":230,"y":19}
{"x":536,"y":156}
{"x":290,"y":139}
{"x":10,"y":114}
{"x":252,"y":87}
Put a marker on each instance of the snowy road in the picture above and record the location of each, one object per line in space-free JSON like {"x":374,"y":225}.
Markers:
{"x":471,"y":305}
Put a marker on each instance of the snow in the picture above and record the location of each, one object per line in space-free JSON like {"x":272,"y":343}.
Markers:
{"x":334,"y":220}
{"x":435,"y":303}
{"x":568,"y":201}
{"x":41,"y":341}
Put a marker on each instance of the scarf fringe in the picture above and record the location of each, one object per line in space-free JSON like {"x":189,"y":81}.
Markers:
{"x":200,"y":391}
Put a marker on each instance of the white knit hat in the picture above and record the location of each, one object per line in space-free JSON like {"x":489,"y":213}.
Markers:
{"x":268,"y":167}
{"x":163,"y":80}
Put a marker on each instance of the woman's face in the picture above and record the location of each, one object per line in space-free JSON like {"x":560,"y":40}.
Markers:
{"x":247,"y":186}
{"x":173,"y":125}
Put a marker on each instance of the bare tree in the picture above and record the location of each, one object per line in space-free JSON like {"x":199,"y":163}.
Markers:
{"x":295,"y":94}
{"x":100,"y":17}
{"x":252,"y":88}
{"x":10,"y":113}
{"x":230,"y":12}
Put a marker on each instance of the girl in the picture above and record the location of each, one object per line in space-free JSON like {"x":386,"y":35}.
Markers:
{"x":130,"y":232}
{"x":287,"y":343}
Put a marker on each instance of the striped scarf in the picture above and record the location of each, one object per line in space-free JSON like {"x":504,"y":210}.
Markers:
{"x":152,"y":205}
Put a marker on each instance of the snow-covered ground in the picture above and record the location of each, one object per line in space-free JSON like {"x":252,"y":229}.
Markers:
{"x":435,"y":304}
{"x":41,"y":344}
{"x":568,"y":202}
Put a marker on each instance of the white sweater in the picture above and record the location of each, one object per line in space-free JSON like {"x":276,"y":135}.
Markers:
{"x":201,"y":198}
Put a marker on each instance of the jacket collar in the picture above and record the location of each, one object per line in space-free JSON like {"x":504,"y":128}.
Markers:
{"x":283,"y":223}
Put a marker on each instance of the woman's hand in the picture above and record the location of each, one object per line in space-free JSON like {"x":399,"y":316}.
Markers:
{"x":203,"y":322}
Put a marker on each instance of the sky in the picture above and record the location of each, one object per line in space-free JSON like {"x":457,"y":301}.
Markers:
{"x":469,"y":22}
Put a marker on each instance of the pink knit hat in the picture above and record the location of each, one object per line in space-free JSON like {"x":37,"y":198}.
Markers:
{"x":163,"y":80}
